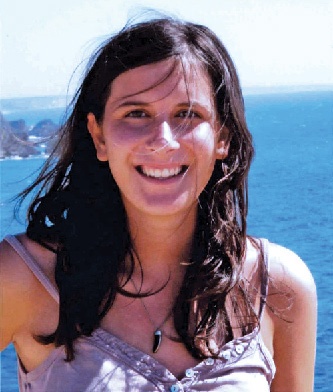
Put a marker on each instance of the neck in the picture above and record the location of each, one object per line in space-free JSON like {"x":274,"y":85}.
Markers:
{"x":162,"y":244}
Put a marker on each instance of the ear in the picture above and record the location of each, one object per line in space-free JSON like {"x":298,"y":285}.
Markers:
{"x":222,"y":146}
{"x":96,"y":132}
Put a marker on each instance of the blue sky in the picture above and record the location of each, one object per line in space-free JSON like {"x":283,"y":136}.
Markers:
{"x":273,"y":42}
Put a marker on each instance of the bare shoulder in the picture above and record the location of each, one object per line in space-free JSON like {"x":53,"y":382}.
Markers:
{"x":20,"y":290}
{"x":292,"y":308}
{"x":292,"y":293}
{"x":14,"y":272}
{"x":286,"y":268}
{"x":14,"y":269}
{"x":288,"y":272}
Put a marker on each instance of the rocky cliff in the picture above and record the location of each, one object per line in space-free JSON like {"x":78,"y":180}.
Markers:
{"x":17,"y":140}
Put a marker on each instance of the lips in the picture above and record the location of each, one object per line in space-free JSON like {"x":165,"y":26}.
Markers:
{"x":162,"y":173}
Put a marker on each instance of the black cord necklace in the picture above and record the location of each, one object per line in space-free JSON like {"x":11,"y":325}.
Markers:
{"x":158,"y":331}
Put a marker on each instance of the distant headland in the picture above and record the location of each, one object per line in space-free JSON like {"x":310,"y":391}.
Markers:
{"x":17,"y":140}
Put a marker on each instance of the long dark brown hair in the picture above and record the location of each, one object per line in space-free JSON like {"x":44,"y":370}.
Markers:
{"x":78,"y":207}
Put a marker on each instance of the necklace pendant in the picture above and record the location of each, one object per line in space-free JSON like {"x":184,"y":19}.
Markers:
{"x":157,"y":340}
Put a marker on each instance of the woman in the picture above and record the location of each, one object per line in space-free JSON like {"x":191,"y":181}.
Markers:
{"x":136,"y":272}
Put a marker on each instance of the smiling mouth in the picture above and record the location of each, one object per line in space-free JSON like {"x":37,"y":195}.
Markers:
{"x":162,"y":173}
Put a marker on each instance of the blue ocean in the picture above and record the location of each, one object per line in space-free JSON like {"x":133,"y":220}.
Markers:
{"x":290,"y":187}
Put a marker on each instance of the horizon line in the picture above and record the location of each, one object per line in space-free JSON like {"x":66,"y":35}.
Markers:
{"x":246,"y":90}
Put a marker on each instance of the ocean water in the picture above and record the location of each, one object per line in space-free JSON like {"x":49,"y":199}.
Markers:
{"x":290,"y":187}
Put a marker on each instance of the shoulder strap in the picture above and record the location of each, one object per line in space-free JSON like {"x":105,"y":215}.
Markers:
{"x":264,"y":276}
{"x":33,"y":266}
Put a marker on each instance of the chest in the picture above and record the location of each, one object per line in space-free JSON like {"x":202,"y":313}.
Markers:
{"x":132,"y":326}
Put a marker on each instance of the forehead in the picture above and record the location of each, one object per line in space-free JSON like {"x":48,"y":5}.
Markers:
{"x":170,"y":77}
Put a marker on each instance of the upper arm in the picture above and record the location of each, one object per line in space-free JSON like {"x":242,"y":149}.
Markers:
{"x":15,"y":283}
{"x":294,"y":301}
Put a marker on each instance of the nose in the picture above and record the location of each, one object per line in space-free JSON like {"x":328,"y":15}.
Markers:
{"x":163,"y":138}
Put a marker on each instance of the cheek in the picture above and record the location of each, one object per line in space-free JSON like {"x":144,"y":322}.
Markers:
{"x":203,"y":141}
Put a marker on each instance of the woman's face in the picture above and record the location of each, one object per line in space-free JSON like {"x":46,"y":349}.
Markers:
{"x":161,"y":137}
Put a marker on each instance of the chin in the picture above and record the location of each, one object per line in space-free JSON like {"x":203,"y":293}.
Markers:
{"x":163,"y":206}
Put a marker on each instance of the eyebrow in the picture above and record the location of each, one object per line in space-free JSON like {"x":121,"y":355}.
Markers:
{"x":132,"y":103}
{"x":145,"y":104}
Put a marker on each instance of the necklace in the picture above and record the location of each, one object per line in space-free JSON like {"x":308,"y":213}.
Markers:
{"x":158,"y":331}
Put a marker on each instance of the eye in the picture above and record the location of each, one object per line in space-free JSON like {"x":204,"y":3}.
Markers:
{"x":136,"y":114}
{"x":188,"y":114}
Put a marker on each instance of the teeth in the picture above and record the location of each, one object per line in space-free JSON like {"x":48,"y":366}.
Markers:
{"x":158,"y":173}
